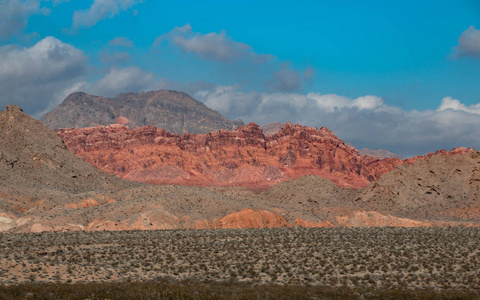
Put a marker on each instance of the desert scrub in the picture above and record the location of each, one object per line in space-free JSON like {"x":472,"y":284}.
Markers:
{"x":413,"y":259}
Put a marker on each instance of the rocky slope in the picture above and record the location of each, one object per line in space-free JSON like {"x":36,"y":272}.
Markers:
{"x":442,"y":185}
{"x":173,"y":111}
{"x":242,"y":157}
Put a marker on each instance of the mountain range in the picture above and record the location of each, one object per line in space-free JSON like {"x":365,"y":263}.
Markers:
{"x":45,"y":187}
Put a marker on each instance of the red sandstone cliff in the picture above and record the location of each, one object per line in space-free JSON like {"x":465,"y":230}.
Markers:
{"x":244,"y":157}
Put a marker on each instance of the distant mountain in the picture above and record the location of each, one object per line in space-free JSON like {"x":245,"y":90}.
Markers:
{"x":376,"y":153}
{"x":271,"y":128}
{"x":379,"y":153}
{"x":173,"y":111}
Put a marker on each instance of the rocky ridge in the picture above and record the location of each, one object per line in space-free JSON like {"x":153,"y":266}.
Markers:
{"x":173,"y":111}
{"x":242,"y":157}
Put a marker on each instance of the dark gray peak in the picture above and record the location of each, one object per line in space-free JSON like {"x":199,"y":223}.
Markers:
{"x":171,"y":110}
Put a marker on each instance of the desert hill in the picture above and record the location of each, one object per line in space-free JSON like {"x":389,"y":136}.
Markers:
{"x":444,"y":185}
{"x":33,"y":156}
{"x":242,"y":157}
{"x":173,"y":111}
{"x":45,"y":187}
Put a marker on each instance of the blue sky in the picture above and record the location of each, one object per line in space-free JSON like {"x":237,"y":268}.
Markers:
{"x":400,"y":75}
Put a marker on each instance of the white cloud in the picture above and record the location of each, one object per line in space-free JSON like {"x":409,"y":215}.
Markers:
{"x":454,"y":104}
{"x":225,"y":99}
{"x":468,"y":43}
{"x":331,"y":102}
{"x":367,"y":102}
{"x":214,"y":46}
{"x":365,"y":121}
{"x":14,"y":15}
{"x":101,"y":10}
{"x":35,"y":77}
{"x":129,"y":79}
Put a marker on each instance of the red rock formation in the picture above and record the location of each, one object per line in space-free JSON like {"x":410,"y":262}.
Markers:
{"x":244,"y":157}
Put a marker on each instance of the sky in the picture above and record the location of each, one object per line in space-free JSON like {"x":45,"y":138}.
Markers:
{"x":397,"y":75}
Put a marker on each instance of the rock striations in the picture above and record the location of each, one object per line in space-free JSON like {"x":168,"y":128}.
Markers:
{"x":173,"y":111}
{"x":242,"y":157}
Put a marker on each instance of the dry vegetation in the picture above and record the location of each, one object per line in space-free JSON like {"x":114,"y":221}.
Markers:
{"x":416,"y":259}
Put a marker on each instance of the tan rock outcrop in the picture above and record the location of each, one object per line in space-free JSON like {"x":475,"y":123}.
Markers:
{"x":375,"y":219}
{"x":252,"y":218}
{"x":303,"y":223}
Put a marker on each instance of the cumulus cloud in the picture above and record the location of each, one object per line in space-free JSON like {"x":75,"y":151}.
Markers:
{"x":101,"y":10}
{"x":129,"y":79}
{"x":14,"y":15}
{"x":214,"y":46}
{"x":455,"y":104}
{"x":364,"y":121}
{"x":38,"y":76}
{"x":239,"y":58}
{"x":228,"y":101}
{"x":468,"y":43}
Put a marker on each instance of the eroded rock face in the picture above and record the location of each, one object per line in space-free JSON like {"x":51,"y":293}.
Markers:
{"x":243,"y":157}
